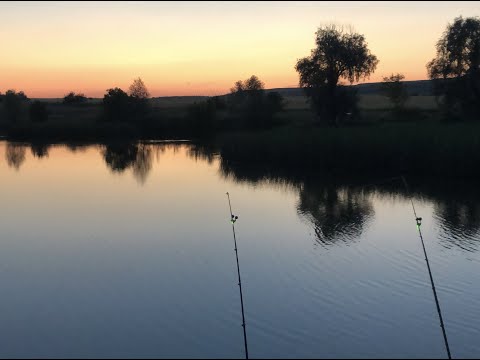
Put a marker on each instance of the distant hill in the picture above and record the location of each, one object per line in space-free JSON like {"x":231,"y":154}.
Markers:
{"x":414,"y":88}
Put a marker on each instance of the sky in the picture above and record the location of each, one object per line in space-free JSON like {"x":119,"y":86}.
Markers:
{"x":201,"y":48}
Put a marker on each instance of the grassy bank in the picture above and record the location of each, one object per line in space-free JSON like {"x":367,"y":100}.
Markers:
{"x":412,"y":148}
{"x":412,"y":142}
{"x":169,"y":117}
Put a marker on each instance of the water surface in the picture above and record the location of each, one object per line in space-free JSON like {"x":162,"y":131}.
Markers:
{"x":126,"y":250}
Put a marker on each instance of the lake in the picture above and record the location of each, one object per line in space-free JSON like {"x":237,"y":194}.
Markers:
{"x":126,"y":250}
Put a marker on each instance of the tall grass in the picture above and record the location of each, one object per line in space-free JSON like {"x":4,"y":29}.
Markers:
{"x":440,"y":149}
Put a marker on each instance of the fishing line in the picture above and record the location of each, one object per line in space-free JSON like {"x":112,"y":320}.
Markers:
{"x":233,"y":219}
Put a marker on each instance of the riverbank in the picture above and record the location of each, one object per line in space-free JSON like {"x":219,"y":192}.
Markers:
{"x":414,"y":142}
{"x":440,"y":149}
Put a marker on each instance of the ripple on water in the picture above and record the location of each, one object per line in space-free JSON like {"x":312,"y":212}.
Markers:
{"x":465,"y":237}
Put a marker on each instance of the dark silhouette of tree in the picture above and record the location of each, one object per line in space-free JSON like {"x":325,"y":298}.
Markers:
{"x":338,"y":55}
{"x":38,"y":112}
{"x":21,"y":95}
{"x":138,"y":89}
{"x":13,"y":104}
{"x":456,"y":68}
{"x":248,"y":98}
{"x":393,"y":88}
{"x":15,"y":155}
{"x":139,"y":99}
{"x":117,"y":105}
{"x":253,"y":83}
{"x":248,"y":89}
{"x":72,"y":98}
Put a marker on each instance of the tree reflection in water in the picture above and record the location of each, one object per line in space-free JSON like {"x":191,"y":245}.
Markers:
{"x":15,"y":155}
{"x":121,"y":156}
{"x":39,"y":150}
{"x":143,"y":163}
{"x":338,"y":214}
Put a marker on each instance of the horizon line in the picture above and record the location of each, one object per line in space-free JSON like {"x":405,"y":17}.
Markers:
{"x":167,"y":96}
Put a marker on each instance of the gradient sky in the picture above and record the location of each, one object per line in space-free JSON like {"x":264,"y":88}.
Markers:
{"x":190,"y":48}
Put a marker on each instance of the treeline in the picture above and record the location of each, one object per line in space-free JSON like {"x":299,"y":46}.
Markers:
{"x":344,"y":55}
{"x":341,"y":57}
{"x":131,"y":113}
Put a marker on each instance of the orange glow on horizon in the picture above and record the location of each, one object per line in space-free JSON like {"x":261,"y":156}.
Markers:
{"x":180,"y":49}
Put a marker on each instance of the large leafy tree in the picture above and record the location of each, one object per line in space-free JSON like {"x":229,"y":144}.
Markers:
{"x":117,"y":105}
{"x":456,"y":67}
{"x":339,"y":55}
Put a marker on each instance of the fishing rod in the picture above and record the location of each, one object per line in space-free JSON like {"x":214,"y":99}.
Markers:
{"x":233,"y":219}
{"x":418,"y":220}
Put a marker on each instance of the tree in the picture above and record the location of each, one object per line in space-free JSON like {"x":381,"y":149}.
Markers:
{"x":117,"y":107}
{"x":394,"y":89}
{"x":253,"y":83}
{"x":248,"y":99}
{"x":456,"y":67}
{"x":139,"y":99}
{"x":72,"y":98}
{"x":13,"y":104}
{"x":338,"y":55}
{"x":238,"y":87}
{"x":138,"y":89}
{"x":21,"y":95}
{"x":246,"y":90}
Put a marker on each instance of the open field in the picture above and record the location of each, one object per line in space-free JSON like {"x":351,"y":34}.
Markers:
{"x":370,"y":102}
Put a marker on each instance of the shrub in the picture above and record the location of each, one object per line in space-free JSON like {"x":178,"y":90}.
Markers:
{"x":73,"y":98}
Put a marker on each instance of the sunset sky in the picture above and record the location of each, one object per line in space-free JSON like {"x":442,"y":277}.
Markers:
{"x":189,"y":48}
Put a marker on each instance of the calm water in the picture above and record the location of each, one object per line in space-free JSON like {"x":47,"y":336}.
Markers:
{"x":127,"y":251}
